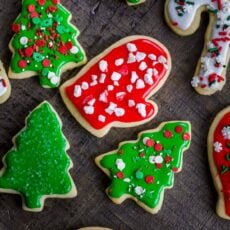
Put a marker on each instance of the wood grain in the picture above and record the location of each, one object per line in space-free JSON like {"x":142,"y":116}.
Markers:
{"x":191,"y":203}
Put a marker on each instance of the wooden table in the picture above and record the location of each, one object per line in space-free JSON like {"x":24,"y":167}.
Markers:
{"x":191,"y":203}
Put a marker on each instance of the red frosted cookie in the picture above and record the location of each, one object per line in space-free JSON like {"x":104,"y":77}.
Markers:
{"x":219,"y":160}
{"x":113,"y":90}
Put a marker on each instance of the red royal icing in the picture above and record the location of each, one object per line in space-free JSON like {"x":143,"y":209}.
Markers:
{"x":125,"y":91}
{"x":220,"y":157}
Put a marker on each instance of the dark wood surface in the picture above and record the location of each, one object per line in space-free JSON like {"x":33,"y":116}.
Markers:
{"x":191,"y":202}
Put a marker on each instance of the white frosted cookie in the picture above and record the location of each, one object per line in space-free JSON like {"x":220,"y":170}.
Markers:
{"x":5,"y":88}
{"x":184,"y":18}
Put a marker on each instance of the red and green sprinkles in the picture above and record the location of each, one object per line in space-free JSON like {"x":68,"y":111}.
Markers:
{"x":143,"y":168}
{"x":44,"y":41}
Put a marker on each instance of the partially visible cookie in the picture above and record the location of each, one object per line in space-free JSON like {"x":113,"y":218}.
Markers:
{"x":114,"y":88}
{"x":134,"y":2}
{"x":184,"y":18}
{"x":37,"y":167}
{"x":44,"y":43}
{"x":5,"y":88}
{"x":142,"y":169}
{"x":219,"y":160}
{"x":94,"y":228}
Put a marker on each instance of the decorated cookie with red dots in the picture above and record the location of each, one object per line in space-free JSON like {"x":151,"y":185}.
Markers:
{"x":219,"y":160}
{"x":44,"y":43}
{"x":141,"y":170}
{"x":134,"y":2}
{"x":183,"y":16}
{"x":113,"y":90}
{"x":5,"y":88}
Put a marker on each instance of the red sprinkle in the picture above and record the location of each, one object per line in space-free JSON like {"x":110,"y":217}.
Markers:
{"x":22,"y":64}
{"x":29,"y":51}
{"x":69,"y":45}
{"x":40,"y":43}
{"x":46,"y":63}
{"x":41,"y":2}
{"x":167,"y":134}
{"x":31,"y":8}
{"x":63,"y":49}
{"x":179,"y":129}
{"x":149,"y":143}
{"x":168,"y":159}
{"x":175,"y":169}
{"x":55,"y":2}
{"x":3,"y":83}
{"x":120,"y":152}
{"x":158,"y":147}
{"x":149,"y":179}
{"x":141,"y":154}
{"x":120,"y":175}
{"x":15,"y":28}
{"x":158,"y":165}
{"x":186,"y":136}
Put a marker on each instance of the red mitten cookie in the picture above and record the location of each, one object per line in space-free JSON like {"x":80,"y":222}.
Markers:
{"x":219,"y":160}
{"x":113,"y":90}
{"x":5,"y":88}
{"x":183,"y":16}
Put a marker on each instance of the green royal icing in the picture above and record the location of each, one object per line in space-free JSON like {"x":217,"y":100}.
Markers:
{"x":141,"y":169}
{"x":38,"y":164}
{"x":134,"y":2}
{"x":45,"y":41}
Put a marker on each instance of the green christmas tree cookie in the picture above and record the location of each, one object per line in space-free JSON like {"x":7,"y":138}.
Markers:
{"x":37,"y":167}
{"x":44,"y":43}
{"x":143,"y":169}
{"x":134,"y":2}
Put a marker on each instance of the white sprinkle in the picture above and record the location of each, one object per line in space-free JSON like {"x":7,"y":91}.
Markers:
{"x":74,"y":50}
{"x":119,"y":112}
{"x":116,"y":83}
{"x":155,"y":72}
{"x":24,"y":40}
{"x":143,"y":66}
{"x":158,"y":159}
{"x":226,"y":132}
{"x":103,"y":66}
{"x":89,"y":109}
{"x":162,"y":59}
{"x":129,"y":88}
{"x":127,"y":180}
{"x":119,"y":62}
{"x":140,"y":56}
{"x":110,"y":87}
{"x":84,"y":85}
{"x":148,"y":79}
{"x":131,"y":47}
{"x":152,"y":57}
{"x":134,"y":77}
{"x":103,"y":96}
{"x":77,"y":91}
{"x":195,"y":81}
{"x":51,"y":75}
{"x":152,"y":159}
{"x":217,"y":147}
{"x":139,"y":190}
{"x":120,"y":96}
{"x":140,"y":84}
{"x":145,"y":139}
{"x":131,"y":103}
{"x":141,"y":108}
{"x":94,"y":77}
{"x":131,"y":58}
{"x":101,"y":118}
{"x":92,"y":102}
{"x":102,"y":78}
{"x":93,"y":83}
{"x":120,"y":164}
{"x":111,"y":108}
{"x":115,"y":76}
{"x":54,"y":80}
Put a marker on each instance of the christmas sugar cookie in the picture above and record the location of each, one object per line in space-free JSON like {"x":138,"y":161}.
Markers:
{"x":219,"y":160}
{"x":113,"y":90}
{"x":141,"y":170}
{"x":5,"y":88}
{"x":184,"y":18}
{"x":134,"y":2}
{"x":37,"y":167}
{"x":94,"y":228}
{"x":45,"y":43}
